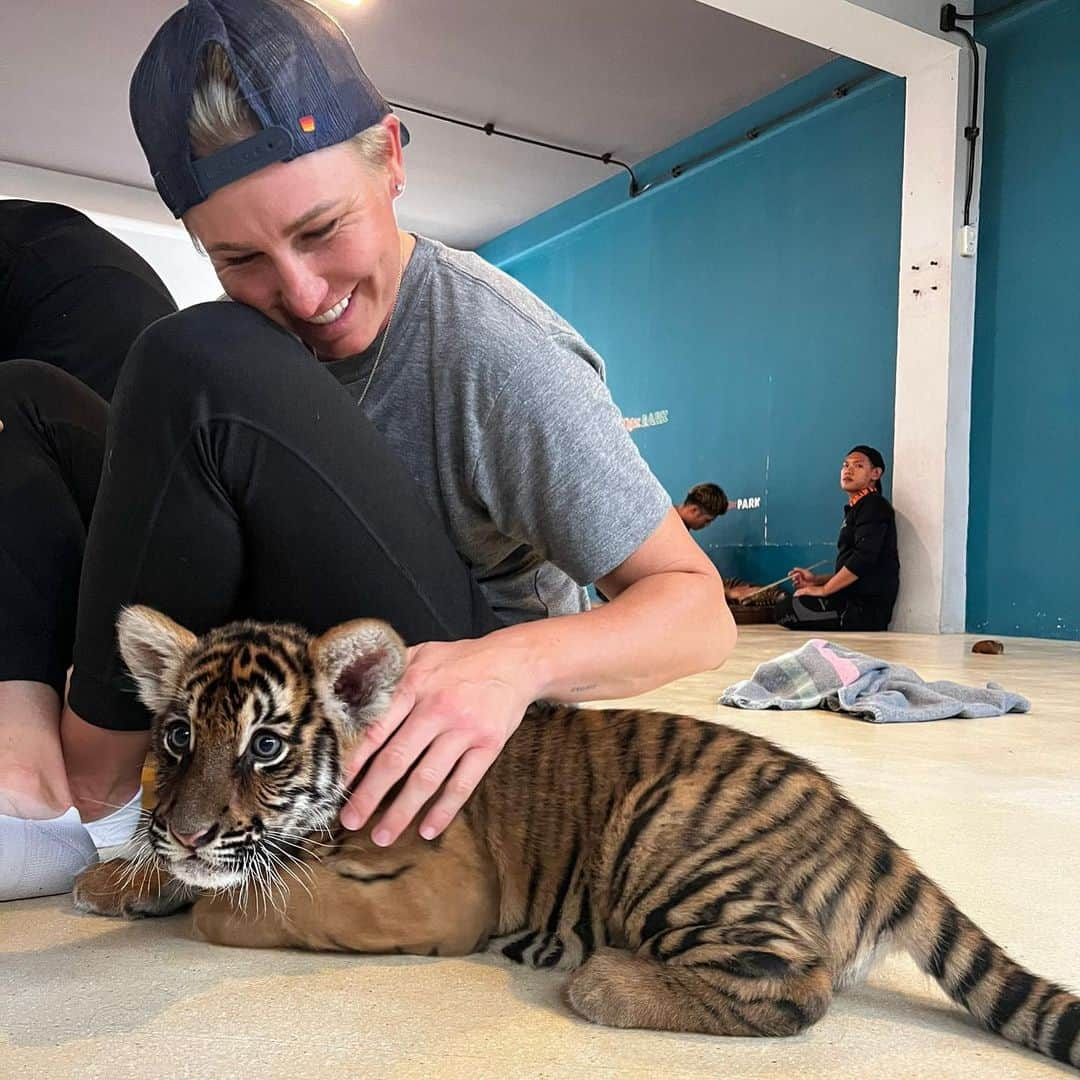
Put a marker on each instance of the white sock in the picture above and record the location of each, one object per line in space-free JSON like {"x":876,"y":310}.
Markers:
{"x":119,"y":826}
{"x":42,"y":858}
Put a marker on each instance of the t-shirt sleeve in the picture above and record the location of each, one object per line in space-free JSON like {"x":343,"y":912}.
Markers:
{"x":557,"y":469}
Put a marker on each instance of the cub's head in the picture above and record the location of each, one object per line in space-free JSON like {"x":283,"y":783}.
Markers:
{"x":251,"y":726}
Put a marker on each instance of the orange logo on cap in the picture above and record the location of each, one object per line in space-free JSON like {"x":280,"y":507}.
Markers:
{"x":307,"y":124}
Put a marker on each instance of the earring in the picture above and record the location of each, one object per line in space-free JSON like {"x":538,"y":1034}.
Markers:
{"x":399,"y":187}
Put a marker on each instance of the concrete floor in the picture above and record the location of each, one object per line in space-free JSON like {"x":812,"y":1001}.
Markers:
{"x":990,"y":808}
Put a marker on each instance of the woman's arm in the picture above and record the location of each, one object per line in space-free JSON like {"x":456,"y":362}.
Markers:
{"x":460,"y":701}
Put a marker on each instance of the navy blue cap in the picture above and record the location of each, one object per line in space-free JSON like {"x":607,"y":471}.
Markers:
{"x":296,"y":69}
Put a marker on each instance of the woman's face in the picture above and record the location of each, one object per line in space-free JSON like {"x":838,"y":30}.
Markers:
{"x":312,"y":243}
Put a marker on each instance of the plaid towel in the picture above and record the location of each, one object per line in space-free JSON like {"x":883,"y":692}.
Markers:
{"x":824,"y":675}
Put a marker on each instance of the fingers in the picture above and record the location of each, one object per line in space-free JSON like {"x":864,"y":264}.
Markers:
{"x":353,"y":814}
{"x":424,"y":780}
{"x":378,"y":732}
{"x":462,"y":783}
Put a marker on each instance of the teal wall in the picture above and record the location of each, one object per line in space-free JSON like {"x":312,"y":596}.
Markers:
{"x":1024,"y":534}
{"x":755,"y":301}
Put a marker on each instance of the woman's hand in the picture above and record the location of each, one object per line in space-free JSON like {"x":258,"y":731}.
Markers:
{"x":811,"y":590}
{"x":450,"y":717}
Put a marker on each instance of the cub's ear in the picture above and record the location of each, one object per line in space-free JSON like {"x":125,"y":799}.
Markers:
{"x":358,"y":664}
{"x":153,"y":647}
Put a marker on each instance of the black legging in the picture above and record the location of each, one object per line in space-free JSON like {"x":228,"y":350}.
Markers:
{"x":71,"y":293}
{"x":241,"y":480}
{"x":50,"y":460}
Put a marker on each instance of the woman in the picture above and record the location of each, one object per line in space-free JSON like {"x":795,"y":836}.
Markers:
{"x":361,"y":434}
{"x":861,"y":591}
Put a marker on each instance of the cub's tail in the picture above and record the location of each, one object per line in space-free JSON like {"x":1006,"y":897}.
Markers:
{"x":977,"y":974}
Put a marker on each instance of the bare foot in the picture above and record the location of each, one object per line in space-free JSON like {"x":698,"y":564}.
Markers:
{"x":25,"y":793}
{"x":33,"y":783}
{"x":104,"y":767}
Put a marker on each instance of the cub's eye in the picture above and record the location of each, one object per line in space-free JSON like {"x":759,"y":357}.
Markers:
{"x":177,"y":738}
{"x":266,"y":746}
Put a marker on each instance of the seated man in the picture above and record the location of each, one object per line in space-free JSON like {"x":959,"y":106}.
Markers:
{"x":860,"y":593}
{"x":703,"y":504}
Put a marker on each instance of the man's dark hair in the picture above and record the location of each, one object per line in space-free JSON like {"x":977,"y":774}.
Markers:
{"x":709,"y":497}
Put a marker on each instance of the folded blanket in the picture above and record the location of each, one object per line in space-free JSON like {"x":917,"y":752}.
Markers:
{"x":824,"y":675}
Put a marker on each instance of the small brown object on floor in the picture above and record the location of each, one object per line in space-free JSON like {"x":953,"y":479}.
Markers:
{"x":988,"y":646}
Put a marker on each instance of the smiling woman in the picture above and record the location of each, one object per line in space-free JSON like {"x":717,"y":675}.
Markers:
{"x":319,"y":253}
{"x":379,"y":426}
{"x":296,"y":273}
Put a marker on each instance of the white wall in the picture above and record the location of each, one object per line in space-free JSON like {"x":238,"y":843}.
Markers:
{"x":134,"y":215}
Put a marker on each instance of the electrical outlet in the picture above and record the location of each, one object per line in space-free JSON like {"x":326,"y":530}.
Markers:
{"x":948,"y":18}
{"x":967,"y":241}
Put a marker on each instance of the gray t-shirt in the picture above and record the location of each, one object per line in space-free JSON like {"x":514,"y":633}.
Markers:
{"x":499,"y":410}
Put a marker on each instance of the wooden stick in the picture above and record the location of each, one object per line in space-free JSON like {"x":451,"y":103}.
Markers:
{"x":779,"y":581}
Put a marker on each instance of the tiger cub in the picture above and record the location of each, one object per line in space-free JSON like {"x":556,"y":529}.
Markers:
{"x":689,"y":876}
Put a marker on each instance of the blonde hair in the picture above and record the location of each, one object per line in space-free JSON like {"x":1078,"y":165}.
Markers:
{"x":220,"y":117}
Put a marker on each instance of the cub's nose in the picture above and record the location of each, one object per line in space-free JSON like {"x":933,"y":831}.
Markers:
{"x":195,"y":840}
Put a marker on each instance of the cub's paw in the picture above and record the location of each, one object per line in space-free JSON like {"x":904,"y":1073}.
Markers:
{"x":617,"y":989}
{"x":122,"y":889}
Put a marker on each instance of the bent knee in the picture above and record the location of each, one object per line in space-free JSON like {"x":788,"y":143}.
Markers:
{"x":209,"y":348}
{"x":34,"y":393}
{"x":34,"y":379}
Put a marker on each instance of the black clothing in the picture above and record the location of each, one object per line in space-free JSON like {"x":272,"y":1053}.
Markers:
{"x":72,"y":294}
{"x":50,"y":459}
{"x":867,"y":547}
{"x":242,"y":482}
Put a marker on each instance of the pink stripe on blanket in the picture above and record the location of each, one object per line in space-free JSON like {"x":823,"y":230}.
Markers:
{"x":845,"y":669}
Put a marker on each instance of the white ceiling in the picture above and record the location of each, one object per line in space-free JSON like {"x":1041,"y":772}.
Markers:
{"x":626,"y":76}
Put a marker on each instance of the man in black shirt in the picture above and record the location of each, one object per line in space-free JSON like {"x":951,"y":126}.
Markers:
{"x":861,"y":592}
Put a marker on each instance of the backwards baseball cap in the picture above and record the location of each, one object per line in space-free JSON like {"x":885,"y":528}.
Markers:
{"x":296,"y":70}
{"x":872,"y":455}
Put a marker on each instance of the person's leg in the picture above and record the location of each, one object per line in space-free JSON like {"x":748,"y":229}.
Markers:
{"x":51,"y":448}
{"x":243,"y":481}
{"x":811,"y":613}
{"x":51,"y":442}
{"x":861,"y":615}
{"x":33,"y":783}
{"x":86,"y":325}
{"x":104,"y":770}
